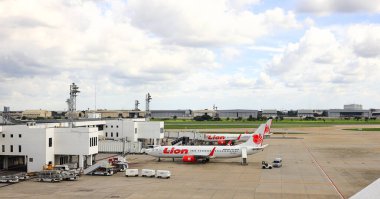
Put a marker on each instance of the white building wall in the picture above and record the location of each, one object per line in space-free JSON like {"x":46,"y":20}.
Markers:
{"x":76,"y":141}
{"x":34,"y":142}
{"x":150,"y":130}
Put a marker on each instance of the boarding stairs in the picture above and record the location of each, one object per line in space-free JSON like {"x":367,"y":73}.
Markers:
{"x":180,"y":140}
{"x":92,"y":168}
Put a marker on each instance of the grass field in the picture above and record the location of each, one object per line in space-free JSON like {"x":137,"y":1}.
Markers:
{"x":287,"y":123}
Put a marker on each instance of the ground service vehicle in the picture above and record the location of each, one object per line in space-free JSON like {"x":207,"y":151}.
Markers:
{"x":277,"y":162}
{"x":131,"y":172}
{"x":163,"y":174}
{"x":148,"y":173}
{"x":265,"y":165}
{"x":9,"y":178}
{"x":49,"y":176}
{"x":105,"y":171}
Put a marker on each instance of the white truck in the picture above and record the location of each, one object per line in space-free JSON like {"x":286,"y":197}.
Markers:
{"x":163,"y":174}
{"x":148,"y":173}
{"x":131,"y":172}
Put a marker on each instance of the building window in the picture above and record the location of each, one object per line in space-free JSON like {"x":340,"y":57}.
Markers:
{"x":111,"y":134}
{"x":117,"y":126}
{"x":96,"y":141}
{"x":111,"y":126}
{"x":30,"y":159}
{"x":11,"y":148}
{"x":19,"y":135}
{"x":19,"y":148}
{"x":106,"y":134}
{"x":106,"y":126}
{"x":50,"y":142}
{"x":135,"y":130}
{"x":3,"y":148}
{"x":11,"y":135}
{"x":3,"y":135}
{"x":90,"y":142}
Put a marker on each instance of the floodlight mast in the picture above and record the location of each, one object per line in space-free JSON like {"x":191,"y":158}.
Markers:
{"x":148,"y":98}
{"x":72,"y":103}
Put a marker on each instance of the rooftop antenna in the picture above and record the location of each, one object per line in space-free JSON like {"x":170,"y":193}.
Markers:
{"x":72,"y":103}
{"x":137,"y":105}
{"x":148,"y":98}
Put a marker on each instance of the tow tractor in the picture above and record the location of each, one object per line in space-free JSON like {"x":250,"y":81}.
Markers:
{"x":266,"y":165}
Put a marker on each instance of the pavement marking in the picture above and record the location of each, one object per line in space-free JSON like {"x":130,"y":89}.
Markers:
{"x":323,"y":171}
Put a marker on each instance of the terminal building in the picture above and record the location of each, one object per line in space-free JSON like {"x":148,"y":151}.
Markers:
{"x":29,"y":147}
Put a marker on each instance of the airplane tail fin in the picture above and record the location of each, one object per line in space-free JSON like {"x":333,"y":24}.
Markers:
{"x":267,"y":127}
{"x":256,"y":139}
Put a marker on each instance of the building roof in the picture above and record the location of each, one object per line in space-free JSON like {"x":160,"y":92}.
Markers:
{"x":347,"y":110}
{"x":269,"y":111}
{"x":237,"y":110}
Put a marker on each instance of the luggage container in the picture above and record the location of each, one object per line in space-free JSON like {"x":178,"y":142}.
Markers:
{"x":131,"y":172}
{"x":277,"y":162}
{"x":163,"y":174}
{"x":148,"y":173}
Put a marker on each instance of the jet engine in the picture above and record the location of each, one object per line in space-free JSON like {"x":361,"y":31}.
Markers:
{"x":189,"y":158}
{"x":222,"y":142}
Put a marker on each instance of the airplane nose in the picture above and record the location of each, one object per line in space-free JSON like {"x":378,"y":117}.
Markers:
{"x":148,"y":151}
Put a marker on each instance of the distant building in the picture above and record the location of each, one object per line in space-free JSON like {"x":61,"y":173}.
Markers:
{"x":269,"y":113}
{"x":353,"y":107}
{"x":346,"y":113}
{"x":34,"y":114}
{"x":171,"y":113}
{"x":305,"y":113}
{"x":121,"y":113}
{"x":211,"y":113}
{"x":236,"y":113}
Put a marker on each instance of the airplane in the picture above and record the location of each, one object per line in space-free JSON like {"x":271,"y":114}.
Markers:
{"x":204,"y":153}
{"x":222,"y":139}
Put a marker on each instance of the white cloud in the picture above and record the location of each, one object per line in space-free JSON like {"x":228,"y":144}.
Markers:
{"x":206,"y":23}
{"x":328,"y":66}
{"x":348,"y":6}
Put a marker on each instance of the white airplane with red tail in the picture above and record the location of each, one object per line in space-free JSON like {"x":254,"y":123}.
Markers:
{"x":223,"y":139}
{"x":253,"y":145}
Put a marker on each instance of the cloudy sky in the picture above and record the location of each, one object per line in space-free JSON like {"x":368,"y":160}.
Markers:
{"x":248,"y":54}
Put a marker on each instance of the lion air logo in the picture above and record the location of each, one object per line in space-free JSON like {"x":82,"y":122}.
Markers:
{"x":257,"y":139}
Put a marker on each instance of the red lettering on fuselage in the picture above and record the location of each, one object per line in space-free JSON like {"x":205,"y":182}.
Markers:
{"x":215,"y":137}
{"x":175,"y":151}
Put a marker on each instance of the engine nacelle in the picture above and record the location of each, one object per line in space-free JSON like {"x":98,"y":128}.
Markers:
{"x":189,"y":158}
{"x":222,"y":142}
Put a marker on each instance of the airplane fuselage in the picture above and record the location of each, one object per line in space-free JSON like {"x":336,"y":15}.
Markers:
{"x":218,"y":137}
{"x":220,"y":151}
